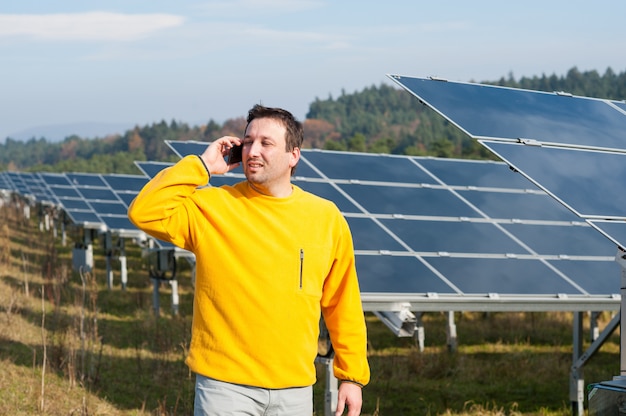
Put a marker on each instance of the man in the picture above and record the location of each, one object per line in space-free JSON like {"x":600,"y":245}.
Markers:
{"x":270,"y":257}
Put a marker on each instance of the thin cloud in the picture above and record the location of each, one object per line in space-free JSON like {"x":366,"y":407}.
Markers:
{"x":91,"y":26}
{"x":243,"y":7}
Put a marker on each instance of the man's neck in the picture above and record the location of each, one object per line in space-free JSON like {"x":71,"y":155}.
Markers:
{"x":279,"y":191}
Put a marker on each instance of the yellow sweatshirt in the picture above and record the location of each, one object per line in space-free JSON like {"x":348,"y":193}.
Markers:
{"x":265,"y":269}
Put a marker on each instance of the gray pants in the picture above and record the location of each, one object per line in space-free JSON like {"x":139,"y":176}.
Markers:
{"x":217,"y":398}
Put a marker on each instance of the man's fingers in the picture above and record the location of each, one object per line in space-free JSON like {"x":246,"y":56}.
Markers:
{"x":341,"y":404}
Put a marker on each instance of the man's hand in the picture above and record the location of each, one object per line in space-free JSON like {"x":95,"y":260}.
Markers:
{"x":215,"y":153}
{"x":349,"y":395}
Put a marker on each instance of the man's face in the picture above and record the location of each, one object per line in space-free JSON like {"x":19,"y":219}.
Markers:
{"x":266,"y":163}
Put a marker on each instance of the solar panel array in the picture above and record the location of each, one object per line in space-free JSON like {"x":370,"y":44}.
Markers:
{"x":440,"y":230}
{"x":91,"y":201}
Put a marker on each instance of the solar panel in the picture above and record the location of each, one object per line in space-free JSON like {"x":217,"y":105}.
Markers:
{"x":484,"y":111}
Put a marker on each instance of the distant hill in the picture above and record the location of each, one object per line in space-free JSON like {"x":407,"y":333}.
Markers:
{"x":58,"y":132}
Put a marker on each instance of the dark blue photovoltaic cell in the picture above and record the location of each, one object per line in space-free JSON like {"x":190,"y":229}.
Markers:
{"x":408,"y":201}
{"x":586,"y":181}
{"x":303,"y":169}
{"x":64,"y":191}
{"x":395,"y":274}
{"x":562,"y":239}
{"x":80,"y":217}
{"x":116,"y":208}
{"x":483,"y":174}
{"x":524,"y":206}
{"x":620,"y":104}
{"x":152,"y":168}
{"x":55,"y":179}
{"x":125,"y":182}
{"x":97,"y":194}
{"x":504,"y":276}
{"x":74,"y":204}
{"x":188,"y":148}
{"x":495,"y":112}
{"x":596,"y":277}
{"x":327,"y":191}
{"x":85,"y":179}
{"x":126,"y":198}
{"x":454,"y":237}
{"x":615,"y":230}
{"x":367,"y":167}
{"x":367,"y":235}
{"x":118,"y":223}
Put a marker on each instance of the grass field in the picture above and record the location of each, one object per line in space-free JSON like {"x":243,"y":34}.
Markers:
{"x":71,"y":346}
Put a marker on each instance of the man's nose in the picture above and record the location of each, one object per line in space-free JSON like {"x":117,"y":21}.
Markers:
{"x":254,"y":148}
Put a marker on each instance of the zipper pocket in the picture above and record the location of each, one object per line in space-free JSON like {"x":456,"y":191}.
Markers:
{"x":301,"y":266}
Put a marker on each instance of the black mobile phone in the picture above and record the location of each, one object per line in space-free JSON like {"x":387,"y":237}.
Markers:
{"x":235,"y":154}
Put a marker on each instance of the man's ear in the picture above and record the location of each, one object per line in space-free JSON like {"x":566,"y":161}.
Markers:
{"x":294,"y":157}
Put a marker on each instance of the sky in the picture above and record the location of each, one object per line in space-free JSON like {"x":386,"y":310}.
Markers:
{"x":119,"y":63}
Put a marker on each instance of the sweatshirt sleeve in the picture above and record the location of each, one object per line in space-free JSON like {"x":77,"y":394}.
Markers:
{"x":343,"y":313}
{"x":162,"y":207}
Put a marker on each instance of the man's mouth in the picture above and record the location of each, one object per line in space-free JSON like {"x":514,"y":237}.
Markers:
{"x":253,"y":164}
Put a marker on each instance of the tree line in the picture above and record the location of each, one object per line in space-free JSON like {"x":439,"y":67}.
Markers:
{"x":378,"y":119}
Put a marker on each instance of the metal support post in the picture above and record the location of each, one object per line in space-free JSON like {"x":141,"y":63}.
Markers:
{"x":593,"y":326}
{"x":122,"y":258}
{"x":108,"y":251}
{"x":174,"y":285}
{"x":577,"y":382}
{"x":420,"y":333}
{"x":332,"y":385}
{"x":451,"y":332}
{"x":621,"y":260}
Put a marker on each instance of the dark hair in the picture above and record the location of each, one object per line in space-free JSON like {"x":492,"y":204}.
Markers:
{"x":295,"y":133}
